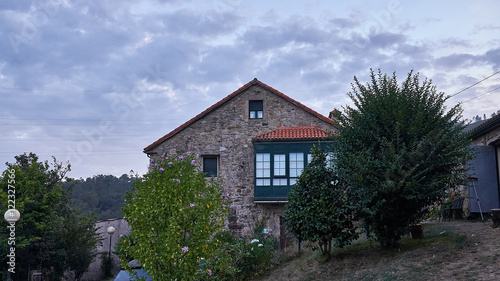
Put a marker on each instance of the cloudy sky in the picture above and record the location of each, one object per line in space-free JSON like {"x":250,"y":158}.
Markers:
{"x":94,"y":82}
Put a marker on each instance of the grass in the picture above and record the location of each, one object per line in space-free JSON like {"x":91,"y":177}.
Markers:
{"x":449,"y":251}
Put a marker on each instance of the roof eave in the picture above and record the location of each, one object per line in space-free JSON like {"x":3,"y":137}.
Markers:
{"x":485,"y":127}
{"x":255,"y":81}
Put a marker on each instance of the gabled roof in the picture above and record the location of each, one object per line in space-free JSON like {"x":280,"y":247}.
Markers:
{"x":293,"y":133}
{"x":225,"y":100}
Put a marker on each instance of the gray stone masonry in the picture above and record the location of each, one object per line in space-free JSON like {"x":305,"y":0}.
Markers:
{"x":227,"y":132}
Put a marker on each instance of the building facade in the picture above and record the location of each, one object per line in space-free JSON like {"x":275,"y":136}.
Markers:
{"x":256,"y":141}
{"x":485,"y":167}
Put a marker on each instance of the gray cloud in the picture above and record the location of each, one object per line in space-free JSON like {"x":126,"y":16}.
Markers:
{"x":149,"y":71}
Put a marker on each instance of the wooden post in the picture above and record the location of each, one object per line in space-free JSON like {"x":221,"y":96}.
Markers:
{"x":417,"y":231}
{"x":495,"y":213}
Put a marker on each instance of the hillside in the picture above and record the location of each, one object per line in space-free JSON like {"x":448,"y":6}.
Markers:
{"x":456,"y":250}
{"x":102,"y":194}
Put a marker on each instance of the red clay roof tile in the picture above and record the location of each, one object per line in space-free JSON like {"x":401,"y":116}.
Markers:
{"x":294,"y":133}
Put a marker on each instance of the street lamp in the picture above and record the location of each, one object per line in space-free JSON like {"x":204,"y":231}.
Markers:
{"x":110,"y":230}
{"x":11,"y":216}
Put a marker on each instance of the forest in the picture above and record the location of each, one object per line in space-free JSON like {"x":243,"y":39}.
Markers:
{"x":102,"y":195}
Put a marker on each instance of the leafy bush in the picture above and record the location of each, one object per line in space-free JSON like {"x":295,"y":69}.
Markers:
{"x":399,"y":149}
{"x":248,"y":257}
{"x":318,"y":208}
{"x":173,"y":213}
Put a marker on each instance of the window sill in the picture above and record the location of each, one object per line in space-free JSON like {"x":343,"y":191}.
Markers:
{"x":268,"y":202}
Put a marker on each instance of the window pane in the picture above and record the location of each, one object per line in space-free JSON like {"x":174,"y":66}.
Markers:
{"x":256,"y":105}
{"x":278,"y":182}
{"x":252,"y":114}
{"x":259,"y":114}
{"x":279,"y":165}
{"x":293,"y":181}
{"x":210,"y":166}
{"x":262,"y":165}
{"x":296,"y":164}
{"x":263,"y":182}
{"x":309,"y":158}
{"x":300,"y":157}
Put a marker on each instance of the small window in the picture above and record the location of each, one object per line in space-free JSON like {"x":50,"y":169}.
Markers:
{"x":256,"y":108}
{"x":210,"y":166}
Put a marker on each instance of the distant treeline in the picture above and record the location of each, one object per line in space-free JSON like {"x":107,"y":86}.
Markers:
{"x":101,"y":194}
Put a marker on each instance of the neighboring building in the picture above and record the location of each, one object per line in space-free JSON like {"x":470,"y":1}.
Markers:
{"x":257,"y":141}
{"x":486,"y":140}
{"x":95,"y":270}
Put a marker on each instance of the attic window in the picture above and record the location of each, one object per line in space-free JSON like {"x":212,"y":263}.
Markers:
{"x":255,"y":109}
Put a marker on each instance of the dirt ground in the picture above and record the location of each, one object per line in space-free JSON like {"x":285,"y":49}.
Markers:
{"x":479,"y":258}
{"x":456,"y":250}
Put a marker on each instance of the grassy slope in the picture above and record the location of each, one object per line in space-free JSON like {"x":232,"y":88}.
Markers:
{"x":458,"y":250}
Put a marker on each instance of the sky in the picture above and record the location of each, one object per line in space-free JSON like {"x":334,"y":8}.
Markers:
{"x":94,"y":82}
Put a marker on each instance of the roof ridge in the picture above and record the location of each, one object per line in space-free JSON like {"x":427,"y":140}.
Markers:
{"x":255,"y":81}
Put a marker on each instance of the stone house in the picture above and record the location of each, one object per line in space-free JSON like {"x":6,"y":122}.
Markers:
{"x":485,"y":166}
{"x":256,"y":141}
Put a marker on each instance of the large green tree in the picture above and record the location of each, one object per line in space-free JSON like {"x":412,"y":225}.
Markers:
{"x":317,"y":208}
{"x":101,"y":194}
{"x":399,"y":150}
{"x":173,"y":212}
{"x":50,"y":235}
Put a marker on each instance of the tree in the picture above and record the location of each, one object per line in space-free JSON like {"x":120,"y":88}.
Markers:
{"x":100,"y":194}
{"x":399,"y":150}
{"x":173,"y":213}
{"x":50,"y":235}
{"x":317,"y":208}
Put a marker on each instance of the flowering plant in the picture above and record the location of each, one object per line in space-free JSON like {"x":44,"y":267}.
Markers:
{"x":173,"y":212}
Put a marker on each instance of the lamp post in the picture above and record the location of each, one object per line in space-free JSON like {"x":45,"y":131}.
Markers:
{"x":11,"y":216}
{"x":110,"y":230}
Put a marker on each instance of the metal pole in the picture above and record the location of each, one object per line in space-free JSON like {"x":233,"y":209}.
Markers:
{"x":109,"y":254}
{"x":477,"y":197}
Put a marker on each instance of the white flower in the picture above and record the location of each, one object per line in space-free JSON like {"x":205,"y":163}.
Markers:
{"x":254,"y":240}
{"x":260,"y":245}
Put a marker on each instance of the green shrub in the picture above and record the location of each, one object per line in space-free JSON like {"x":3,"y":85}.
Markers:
{"x":174,"y":213}
{"x":244,"y":258}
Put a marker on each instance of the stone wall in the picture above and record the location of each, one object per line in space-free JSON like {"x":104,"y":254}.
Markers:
{"x":227,"y":132}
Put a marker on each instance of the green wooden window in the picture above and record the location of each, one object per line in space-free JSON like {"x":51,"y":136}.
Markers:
{"x":277,"y":167}
{"x":263,"y":169}
{"x":296,"y":166}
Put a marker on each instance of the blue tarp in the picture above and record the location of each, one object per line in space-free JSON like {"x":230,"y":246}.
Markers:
{"x":125,"y":276}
